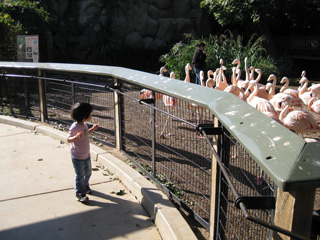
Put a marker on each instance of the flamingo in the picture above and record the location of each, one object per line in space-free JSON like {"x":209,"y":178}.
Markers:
{"x":262,"y":92}
{"x":258,"y":103}
{"x":314,"y":105}
{"x":233,"y":88}
{"x":210,"y":73}
{"x":162,"y":71}
{"x":147,"y":94}
{"x":251,"y":74}
{"x":221,"y":82}
{"x":299,"y":121}
{"x":187,"y":70}
{"x":237,"y":70}
{"x":303,"y":74}
{"x":296,"y":101}
{"x":211,"y":81}
{"x":169,"y":103}
{"x":304,"y":95}
{"x":315,"y":89}
{"x":203,"y":83}
{"x":243,"y":84}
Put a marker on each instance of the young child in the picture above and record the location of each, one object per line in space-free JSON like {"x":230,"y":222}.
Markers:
{"x":80,"y":148}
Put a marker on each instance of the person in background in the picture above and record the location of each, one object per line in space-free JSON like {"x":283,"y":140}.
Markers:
{"x":199,"y":61}
{"x":78,"y":138}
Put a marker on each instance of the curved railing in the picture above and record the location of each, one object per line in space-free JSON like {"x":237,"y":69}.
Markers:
{"x":292,"y":164}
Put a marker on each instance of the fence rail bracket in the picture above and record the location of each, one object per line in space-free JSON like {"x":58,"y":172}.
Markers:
{"x":209,"y":129}
{"x":256,"y":202}
{"x":148,"y":101}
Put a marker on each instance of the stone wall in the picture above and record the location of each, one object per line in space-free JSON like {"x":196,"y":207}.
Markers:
{"x":88,"y":30}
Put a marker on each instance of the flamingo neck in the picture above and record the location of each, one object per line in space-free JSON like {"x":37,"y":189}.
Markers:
{"x":311,"y":101}
{"x":258,"y":77}
{"x":285,"y":86}
{"x":284,"y":113}
{"x":253,"y":94}
{"x":304,"y":87}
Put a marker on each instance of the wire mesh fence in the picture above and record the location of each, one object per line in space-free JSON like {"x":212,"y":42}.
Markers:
{"x":163,"y":139}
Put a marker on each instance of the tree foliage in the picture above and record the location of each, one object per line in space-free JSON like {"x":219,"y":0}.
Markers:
{"x":283,"y":17}
{"x":19,"y":17}
{"x":227,"y":47}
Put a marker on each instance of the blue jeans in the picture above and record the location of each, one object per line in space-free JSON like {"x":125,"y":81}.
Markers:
{"x":197,"y":72}
{"x":83,"y":172}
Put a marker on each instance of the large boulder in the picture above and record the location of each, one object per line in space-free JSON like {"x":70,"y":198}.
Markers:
{"x":143,"y":24}
{"x":89,"y":9}
{"x":181,"y":8}
{"x":167,"y":29}
{"x":157,"y":13}
{"x":184,"y":25}
{"x":134,"y":41}
{"x":161,"y":4}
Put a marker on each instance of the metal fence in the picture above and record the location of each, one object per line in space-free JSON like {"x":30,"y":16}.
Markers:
{"x":179,"y":143}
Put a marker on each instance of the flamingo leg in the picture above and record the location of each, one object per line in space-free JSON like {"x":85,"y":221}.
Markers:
{"x":165,"y":125}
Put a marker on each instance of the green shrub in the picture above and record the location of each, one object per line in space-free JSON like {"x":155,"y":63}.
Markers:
{"x":19,"y":17}
{"x":224,"y":47}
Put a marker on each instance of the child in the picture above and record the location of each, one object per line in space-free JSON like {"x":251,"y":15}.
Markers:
{"x":80,"y":148}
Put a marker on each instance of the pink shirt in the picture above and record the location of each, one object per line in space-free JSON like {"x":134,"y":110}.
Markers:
{"x":80,"y":149}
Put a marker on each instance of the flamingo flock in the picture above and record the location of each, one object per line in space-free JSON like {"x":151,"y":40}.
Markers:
{"x":293,"y":108}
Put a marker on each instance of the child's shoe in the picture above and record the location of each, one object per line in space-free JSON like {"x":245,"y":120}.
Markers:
{"x":89,"y":191}
{"x":81,"y":197}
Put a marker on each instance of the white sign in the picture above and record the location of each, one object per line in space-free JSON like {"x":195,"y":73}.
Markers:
{"x":28,"y":48}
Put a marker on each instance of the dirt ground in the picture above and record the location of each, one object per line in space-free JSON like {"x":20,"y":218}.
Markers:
{"x":200,"y":232}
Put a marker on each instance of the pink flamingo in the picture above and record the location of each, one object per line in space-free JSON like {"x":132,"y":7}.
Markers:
{"x":221,"y":82}
{"x":203,"y":83}
{"x":233,"y":88}
{"x":187,"y":71}
{"x":210,"y":82}
{"x":299,"y":121}
{"x":258,"y":103}
{"x":314,"y":89}
{"x":314,"y":105}
{"x":276,"y":99}
{"x":304,"y":95}
{"x":296,"y":101}
{"x":242,"y":84}
{"x":262,"y":92}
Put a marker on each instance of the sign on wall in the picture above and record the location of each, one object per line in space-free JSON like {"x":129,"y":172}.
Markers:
{"x":28,"y":48}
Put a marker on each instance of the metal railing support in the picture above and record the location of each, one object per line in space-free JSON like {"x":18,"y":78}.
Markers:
{"x":118,"y":109}
{"x":294,"y":212}
{"x":42,"y":98}
{"x":73,"y":93}
{"x":26,"y":92}
{"x":153,"y":119}
{"x":214,"y":221}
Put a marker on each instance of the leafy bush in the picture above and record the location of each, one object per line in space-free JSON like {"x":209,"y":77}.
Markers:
{"x":9,"y":30}
{"x":19,"y":17}
{"x":224,"y":47}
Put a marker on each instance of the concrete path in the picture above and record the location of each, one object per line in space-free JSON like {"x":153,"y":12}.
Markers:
{"x":37,"y":198}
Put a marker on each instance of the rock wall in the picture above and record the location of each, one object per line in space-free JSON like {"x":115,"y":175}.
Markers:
{"x":88,"y":30}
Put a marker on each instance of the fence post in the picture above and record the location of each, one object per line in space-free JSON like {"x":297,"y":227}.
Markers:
{"x":214,"y":187}
{"x":153,"y":116}
{"x":26,"y":92}
{"x":294,"y":212}
{"x":42,"y":98}
{"x":118,"y":116}
{"x":73,"y":89}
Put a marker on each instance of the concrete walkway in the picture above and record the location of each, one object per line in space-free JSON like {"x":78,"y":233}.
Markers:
{"x":37,"y":198}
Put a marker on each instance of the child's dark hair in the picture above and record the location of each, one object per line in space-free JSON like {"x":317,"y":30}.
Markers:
{"x":80,"y":111}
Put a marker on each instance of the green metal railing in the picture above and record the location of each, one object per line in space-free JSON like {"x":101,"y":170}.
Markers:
{"x":291,"y":164}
